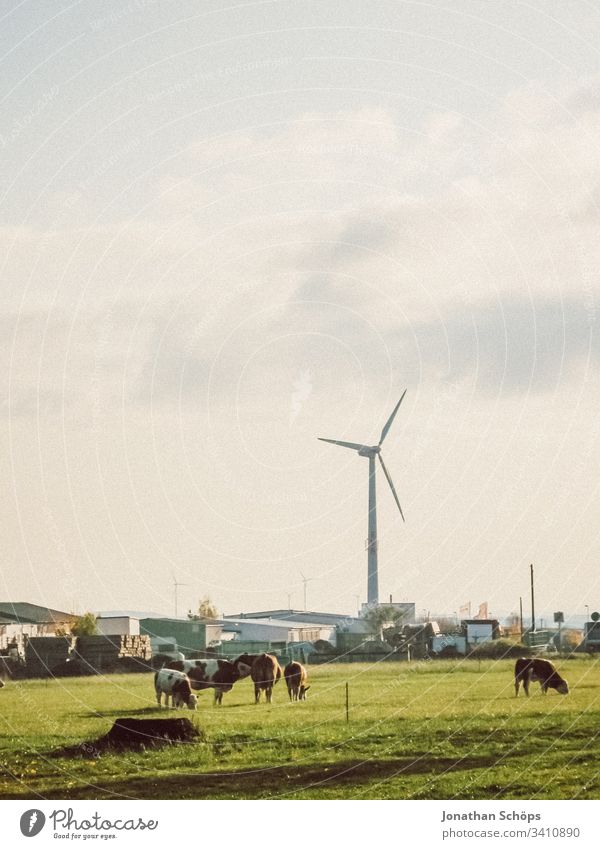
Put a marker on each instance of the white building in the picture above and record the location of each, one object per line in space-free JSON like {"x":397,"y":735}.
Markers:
{"x":111,"y":626}
{"x":276,"y":631}
{"x":479,"y":631}
{"x":12,"y":633}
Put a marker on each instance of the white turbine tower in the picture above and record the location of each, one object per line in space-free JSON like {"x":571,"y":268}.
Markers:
{"x":372,"y":451}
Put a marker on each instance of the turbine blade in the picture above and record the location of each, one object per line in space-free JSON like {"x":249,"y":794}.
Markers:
{"x":354,"y":445}
{"x":389,"y":480}
{"x":388,"y":424}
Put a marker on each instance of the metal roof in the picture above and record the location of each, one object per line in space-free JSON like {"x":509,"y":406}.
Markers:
{"x":274,"y":622}
{"x":23,"y":611}
{"x":312,"y":616}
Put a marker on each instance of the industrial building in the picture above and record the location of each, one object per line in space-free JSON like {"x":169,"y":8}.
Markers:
{"x":22,"y":612}
{"x":406,"y":609}
{"x":113,"y":625}
{"x":591,"y":636}
{"x":21,"y":620}
{"x":479,"y":631}
{"x":275,"y":630}
{"x":185,"y":635}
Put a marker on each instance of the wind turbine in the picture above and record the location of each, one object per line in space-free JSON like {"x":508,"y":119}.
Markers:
{"x":305,"y":581}
{"x":373,"y":451}
{"x":176,"y":585}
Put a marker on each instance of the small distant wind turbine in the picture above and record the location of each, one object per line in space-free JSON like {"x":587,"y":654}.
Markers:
{"x":372,"y":451}
{"x":177,"y":584}
{"x":305,"y":581}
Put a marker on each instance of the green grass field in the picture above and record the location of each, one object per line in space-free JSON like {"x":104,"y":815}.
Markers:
{"x":437,"y":730}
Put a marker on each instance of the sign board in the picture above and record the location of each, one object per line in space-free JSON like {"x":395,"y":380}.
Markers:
{"x":559,"y":616}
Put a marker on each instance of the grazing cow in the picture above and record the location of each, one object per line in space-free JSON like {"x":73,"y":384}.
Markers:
{"x":295,"y":678}
{"x":243,"y":664}
{"x":171,"y":682}
{"x":266,"y":672}
{"x":218,"y":675}
{"x":537,"y":669}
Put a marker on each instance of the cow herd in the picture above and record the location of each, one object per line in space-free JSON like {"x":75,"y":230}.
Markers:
{"x":179,"y":678}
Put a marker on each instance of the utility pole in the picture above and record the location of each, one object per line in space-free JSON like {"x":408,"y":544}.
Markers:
{"x":532,"y":601}
{"x":560,"y":621}
{"x":521,"y":615}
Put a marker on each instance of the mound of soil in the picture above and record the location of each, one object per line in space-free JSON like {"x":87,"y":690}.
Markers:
{"x":127,"y":733}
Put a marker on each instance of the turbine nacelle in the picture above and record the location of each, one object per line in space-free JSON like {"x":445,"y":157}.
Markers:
{"x":369,"y":451}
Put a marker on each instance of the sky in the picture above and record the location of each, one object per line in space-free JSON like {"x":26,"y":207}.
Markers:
{"x":229,"y":229}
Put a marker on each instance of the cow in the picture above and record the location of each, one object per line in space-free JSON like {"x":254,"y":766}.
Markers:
{"x":1,"y":683}
{"x":176,"y":685}
{"x":243,"y":664}
{"x":295,"y":678}
{"x":216,"y":674}
{"x":265,"y":673}
{"x":537,"y":669}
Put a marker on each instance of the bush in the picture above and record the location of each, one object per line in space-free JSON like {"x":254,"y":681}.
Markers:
{"x":323,"y":647}
{"x":497,"y":649}
{"x":85,"y":626}
{"x":571,"y":639}
{"x":449,"y":652}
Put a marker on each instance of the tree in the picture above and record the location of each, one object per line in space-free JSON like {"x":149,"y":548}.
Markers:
{"x":447,"y":624}
{"x":383,"y":614}
{"x":570,"y":639}
{"x":206,"y":610}
{"x":85,"y":626}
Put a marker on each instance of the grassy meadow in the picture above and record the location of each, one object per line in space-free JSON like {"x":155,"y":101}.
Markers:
{"x":428,"y":730}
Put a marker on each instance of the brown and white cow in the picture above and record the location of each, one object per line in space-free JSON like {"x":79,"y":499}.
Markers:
{"x":265,"y":673}
{"x":537,"y":669}
{"x":243,"y":664}
{"x":173,"y":684}
{"x":214,"y":674}
{"x":295,"y":678}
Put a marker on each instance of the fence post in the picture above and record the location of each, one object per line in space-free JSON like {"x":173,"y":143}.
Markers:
{"x":347,"y":704}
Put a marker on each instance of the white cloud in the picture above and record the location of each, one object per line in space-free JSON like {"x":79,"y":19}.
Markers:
{"x":328,"y":208}
{"x":164,"y":343}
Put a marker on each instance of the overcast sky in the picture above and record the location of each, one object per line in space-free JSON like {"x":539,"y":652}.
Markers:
{"x":226,"y":230}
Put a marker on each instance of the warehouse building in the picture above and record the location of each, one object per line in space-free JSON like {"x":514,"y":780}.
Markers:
{"x":185,"y":635}
{"x":275,"y":630}
{"x":406,"y":609}
{"x":112,"y":625}
{"x":49,"y":620}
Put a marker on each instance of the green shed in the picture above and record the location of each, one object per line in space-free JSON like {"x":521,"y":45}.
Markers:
{"x":189,"y":635}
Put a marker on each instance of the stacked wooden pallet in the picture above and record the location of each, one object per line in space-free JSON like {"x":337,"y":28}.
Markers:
{"x":43,"y":654}
{"x":106,"y":653}
{"x":15,"y":642}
